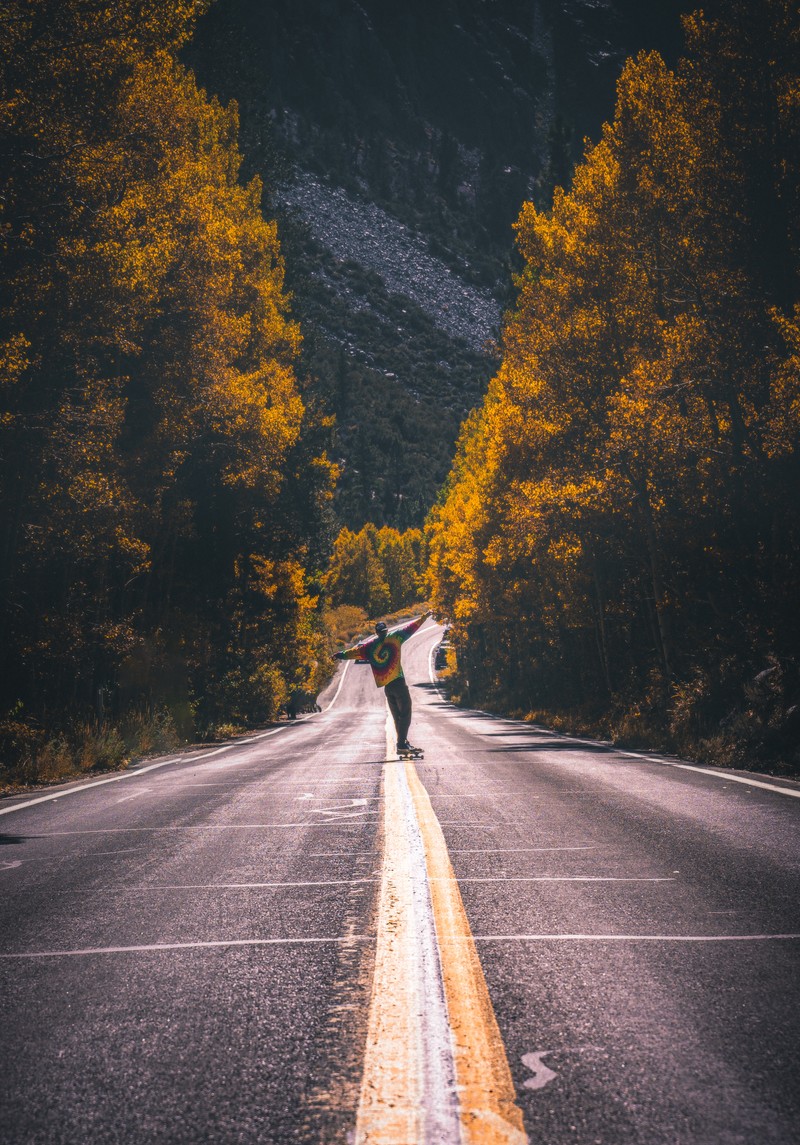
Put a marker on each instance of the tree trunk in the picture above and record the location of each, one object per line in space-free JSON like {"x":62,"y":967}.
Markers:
{"x":602,"y":642}
{"x":657,"y":580}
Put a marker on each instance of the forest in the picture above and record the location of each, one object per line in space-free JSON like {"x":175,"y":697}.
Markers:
{"x":164,"y":482}
{"x":617,"y":543}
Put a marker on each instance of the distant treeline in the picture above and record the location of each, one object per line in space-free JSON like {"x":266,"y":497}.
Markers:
{"x":163,"y":485}
{"x":618,"y":540}
{"x":378,"y":570}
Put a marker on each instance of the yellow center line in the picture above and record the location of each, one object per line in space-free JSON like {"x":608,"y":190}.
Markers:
{"x":435,"y":1067}
{"x":391,"y":1098}
{"x":488,"y":1109}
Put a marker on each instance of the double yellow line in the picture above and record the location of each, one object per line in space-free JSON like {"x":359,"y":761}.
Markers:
{"x":408,"y":1096}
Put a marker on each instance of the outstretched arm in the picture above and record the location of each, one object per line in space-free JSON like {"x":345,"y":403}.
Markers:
{"x":354,"y":653}
{"x":412,"y":626}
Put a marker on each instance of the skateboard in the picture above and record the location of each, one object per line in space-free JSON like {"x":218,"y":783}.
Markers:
{"x":411,"y":753}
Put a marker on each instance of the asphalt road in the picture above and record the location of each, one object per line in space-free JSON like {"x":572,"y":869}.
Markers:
{"x":187,"y":952}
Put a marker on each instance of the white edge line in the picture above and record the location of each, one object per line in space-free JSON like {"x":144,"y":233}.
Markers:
{"x":724,"y":775}
{"x":422,"y":631}
{"x":135,"y":773}
{"x":715,"y":774}
{"x":191,"y":758}
{"x":87,"y":786}
{"x":190,"y":946}
{"x":627,"y":938}
{"x":338,"y":690}
{"x":176,"y":759}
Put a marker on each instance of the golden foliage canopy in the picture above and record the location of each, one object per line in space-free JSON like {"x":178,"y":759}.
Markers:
{"x":379,"y":570}
{"x":157,"y":459}
{"x":623,"y":498}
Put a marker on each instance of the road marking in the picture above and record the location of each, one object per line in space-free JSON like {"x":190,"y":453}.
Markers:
{"x":724,"y":775}
{"x":218,"y":751}
{"x":468,"y":823}
{"x":489,"y":1113}
{"x":190,"y":758}
{"x":514,"y":850}
{"x":215,"y":886}
{"x":338,"y":690}
{"x":542,"y":1074}
{"x":284,"y":786}
{"x":134,"y":795}
{"x":407,"y":1090}
{"x":341,"y":855}
{"x":455,"y":938}
{"x":422,"y":632}
{"x":221,"y":943}
{"x":482,"y":794}
{"x":193,"y":827}
{"x":193,"y":758}
{"x":435,"y":1067}
{"x":563,"y":879}
{"x":713,"y":772}
{"x":10,"y":864}
{"x":124,"y":851}
{"x":87,"y":786}
{"x":339,"y":816}
{"x":336,"y":812}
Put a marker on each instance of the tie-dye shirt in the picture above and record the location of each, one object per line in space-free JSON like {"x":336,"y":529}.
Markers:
{"x":383,"y":654}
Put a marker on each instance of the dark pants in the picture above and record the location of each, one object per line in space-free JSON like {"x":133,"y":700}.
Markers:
{"x":398,"y":698}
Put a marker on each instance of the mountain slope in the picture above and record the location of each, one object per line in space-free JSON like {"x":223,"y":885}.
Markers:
{"x":398,"y":143}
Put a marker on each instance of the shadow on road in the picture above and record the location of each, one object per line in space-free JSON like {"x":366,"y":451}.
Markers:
{"x":440,"y":703}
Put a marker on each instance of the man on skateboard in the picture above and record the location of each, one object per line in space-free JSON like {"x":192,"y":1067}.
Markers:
{"x":382,"y":653}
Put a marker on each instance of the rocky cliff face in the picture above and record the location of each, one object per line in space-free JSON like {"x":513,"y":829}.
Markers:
{"x":358,"y":231}
{"x":397,"y":142}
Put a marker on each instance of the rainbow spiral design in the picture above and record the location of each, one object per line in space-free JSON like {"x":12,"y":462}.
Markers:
{"x":383,"y":655}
